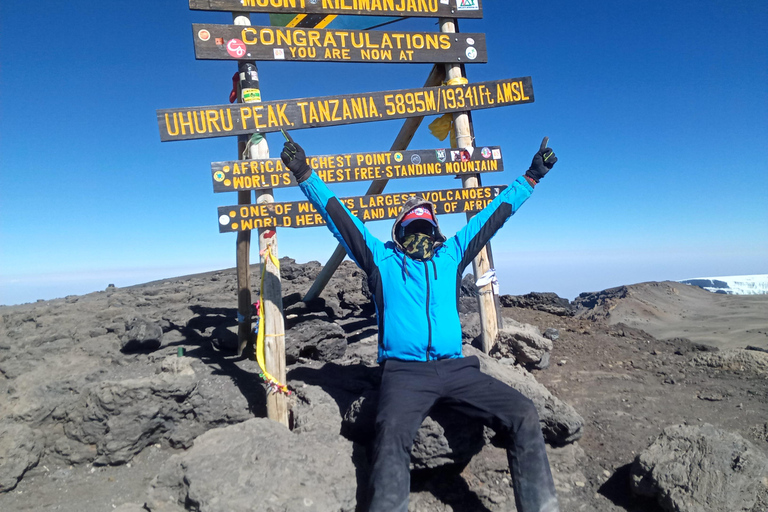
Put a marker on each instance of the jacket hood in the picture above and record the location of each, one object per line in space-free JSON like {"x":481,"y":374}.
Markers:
{"x":409,"y":205}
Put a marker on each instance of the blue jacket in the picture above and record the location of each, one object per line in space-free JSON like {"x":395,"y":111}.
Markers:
{"x":416,"y":301}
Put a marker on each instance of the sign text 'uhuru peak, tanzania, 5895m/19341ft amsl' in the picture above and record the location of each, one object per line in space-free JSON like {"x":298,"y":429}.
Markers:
{"x":270,"y":116}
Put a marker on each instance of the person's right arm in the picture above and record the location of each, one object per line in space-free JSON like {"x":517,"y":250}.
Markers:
{"x":351,"y":233}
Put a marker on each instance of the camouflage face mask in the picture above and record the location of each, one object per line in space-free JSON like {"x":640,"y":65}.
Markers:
{"x":419,"y":246}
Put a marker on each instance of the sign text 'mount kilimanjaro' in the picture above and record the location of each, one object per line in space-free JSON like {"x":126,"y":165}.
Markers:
{"x":409,"y":8}
{"x":271,"y":116}
{"x":237,"y":42}
{"x":302,"y":214}
{"x":350,"y":167}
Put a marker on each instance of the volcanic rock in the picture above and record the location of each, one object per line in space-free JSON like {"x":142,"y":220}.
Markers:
{"x":547,"y":302}
{"x":258,"y":462}
{"x":700,"y":469}
{"x":141,"y":335}
{"x":524,"y":343}
{"x":20,"y":450}
{"x":315,"y":338}
{"x":751,"y":361}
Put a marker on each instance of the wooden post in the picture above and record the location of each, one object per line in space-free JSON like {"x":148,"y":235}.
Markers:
{"x":243,"y":251}
{"x":272,"y":322}
{"x":403,"y":139}
{"x":272,"y":297}
{"x":481,"y":263}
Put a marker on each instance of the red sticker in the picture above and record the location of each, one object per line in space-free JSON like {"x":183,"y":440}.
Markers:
{"x":204,"y":35}
{"x":236,"y":48}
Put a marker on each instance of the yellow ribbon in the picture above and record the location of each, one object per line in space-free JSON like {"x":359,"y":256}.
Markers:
{"x":443,"y":125}
{"x":459,"y":80}
{"x":273,"y":385}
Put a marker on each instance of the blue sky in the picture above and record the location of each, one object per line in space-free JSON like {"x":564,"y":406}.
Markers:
{"x":658,"y":112}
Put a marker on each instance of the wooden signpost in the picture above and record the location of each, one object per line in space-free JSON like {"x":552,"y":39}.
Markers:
{"x":302,"y":40}
{"x":232,"y":42}
{"x":271,"y":173}
{"x":408,"y":8}
{"x":301,"y":214}
{"x":270,"y":116}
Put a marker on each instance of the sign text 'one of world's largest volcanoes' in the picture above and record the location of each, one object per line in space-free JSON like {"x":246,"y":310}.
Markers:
{"x":410,"y":8}
{"x":237,"y":42}
{"x":270,"y":116}
{"x":302,"y":214}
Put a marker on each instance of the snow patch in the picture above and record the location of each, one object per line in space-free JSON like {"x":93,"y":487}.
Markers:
{"x":732,"y":285}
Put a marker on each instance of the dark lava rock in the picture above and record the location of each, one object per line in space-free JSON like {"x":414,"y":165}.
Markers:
{"x":700,"y":469}
{"x":547,"y":302}
{"x":141,"y":335}
{"x":589,"y":300}
{"x":315,"y":338}
{"x":468,"y":287}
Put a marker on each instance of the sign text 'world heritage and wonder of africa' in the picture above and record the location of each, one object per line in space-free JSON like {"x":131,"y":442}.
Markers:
{"x":408,"y":8}
{"x":351,"y":167}
{"x":237,"y":42}
{"x":302,"y":214}
{"x":270,"y":116}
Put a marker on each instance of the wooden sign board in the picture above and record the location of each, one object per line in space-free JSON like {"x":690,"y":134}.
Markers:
{"x":271,"y":116}
{"x":271,"y":173}
{"x":237,"y":42}
{"x":407,"y":8}
{"x":302,"y":214}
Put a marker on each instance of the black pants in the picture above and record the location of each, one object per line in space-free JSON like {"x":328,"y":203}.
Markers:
{"x":410,"y":388}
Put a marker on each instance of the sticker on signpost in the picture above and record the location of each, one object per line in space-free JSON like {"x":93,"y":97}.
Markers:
{"x":467,"y":5}
{"x":471,"y":53}
{"x":236,"y":48}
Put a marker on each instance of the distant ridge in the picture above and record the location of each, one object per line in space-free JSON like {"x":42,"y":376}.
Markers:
{"x":732,"y":285}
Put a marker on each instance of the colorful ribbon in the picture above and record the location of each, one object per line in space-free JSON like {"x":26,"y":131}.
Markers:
{"x":273,"y":385}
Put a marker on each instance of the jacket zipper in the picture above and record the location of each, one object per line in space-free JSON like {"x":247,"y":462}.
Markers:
{"x":429,"y":323}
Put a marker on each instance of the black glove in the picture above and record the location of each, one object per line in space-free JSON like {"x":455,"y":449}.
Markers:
{"x":295,"y":160}
{"x":543,"y":161}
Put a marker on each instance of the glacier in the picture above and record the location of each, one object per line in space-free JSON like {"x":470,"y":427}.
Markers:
{"x":756,"y":284}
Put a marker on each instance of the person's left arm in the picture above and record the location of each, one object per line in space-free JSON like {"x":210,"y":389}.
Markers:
{"x":481,"y":228}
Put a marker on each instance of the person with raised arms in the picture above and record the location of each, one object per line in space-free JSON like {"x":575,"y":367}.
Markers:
{"x":415,"y":280}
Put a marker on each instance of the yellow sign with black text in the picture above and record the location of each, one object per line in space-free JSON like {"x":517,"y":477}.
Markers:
{"x":238,"y":175}
{"x":302,"y":214}
{"x":271,"y":116}
{"x":236,"y":42}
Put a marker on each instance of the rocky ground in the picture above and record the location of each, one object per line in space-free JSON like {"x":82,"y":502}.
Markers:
{"x":646,"y":394}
